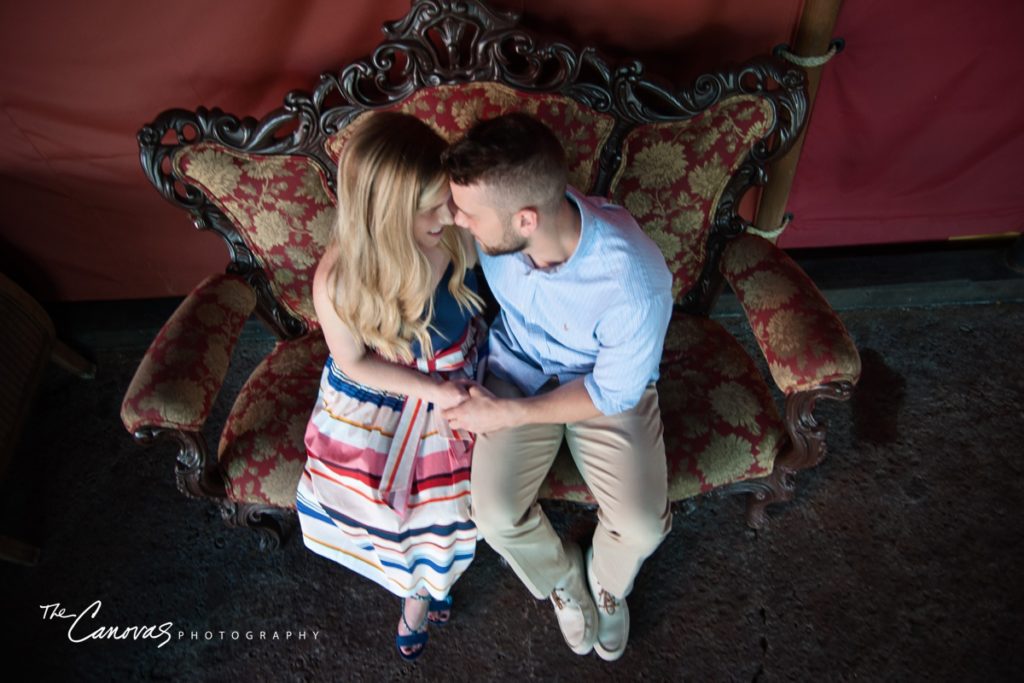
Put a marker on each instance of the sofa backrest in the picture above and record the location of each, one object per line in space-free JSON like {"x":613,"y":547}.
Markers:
{"x":282,"y":206}
{"x":673,"y":174}
{"x":452,"y":109}
{"x":678,"y":159}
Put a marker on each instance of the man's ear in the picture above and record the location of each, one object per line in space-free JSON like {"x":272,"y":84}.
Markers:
{"x":525,"y":221}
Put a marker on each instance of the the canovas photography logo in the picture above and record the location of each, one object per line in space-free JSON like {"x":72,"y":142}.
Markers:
{"x":86,"y":625}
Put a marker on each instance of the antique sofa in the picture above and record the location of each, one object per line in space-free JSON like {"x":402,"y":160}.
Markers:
{"x":679,"y":158}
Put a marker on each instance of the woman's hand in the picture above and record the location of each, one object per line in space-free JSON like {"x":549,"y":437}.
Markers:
{"x":483,"y":412}
{"x":448,"y":395}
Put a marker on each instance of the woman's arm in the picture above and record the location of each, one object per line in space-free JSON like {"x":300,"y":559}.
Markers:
{"x":350,"y":355}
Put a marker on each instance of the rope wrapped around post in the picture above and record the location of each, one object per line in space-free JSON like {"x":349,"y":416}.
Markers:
{"x":814,"y":61}
{"x":771,"y":234}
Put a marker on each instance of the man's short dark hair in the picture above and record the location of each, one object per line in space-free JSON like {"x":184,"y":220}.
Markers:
{"x":516,"y":156}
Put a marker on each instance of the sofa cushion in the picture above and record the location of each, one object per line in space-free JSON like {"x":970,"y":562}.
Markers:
{"x":181,"y":374}
{"x":282,"y":207}
{"x":721,"y":424}
{"x":452,"y":109}
{"x":803,"y":340}
{"x":261,"y":449}
{"x":673,"y":174}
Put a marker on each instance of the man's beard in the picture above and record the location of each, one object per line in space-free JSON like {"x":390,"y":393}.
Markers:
{"x":511,"y":243}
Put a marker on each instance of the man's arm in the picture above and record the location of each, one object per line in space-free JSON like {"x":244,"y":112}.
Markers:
{"x":631,"y":339}
{"x":484,"y":412}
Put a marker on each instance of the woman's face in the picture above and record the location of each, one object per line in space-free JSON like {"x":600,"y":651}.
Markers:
{"x":431,"y":221}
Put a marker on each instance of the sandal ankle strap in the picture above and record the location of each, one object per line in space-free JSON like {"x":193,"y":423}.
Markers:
{"x":418,"y":629}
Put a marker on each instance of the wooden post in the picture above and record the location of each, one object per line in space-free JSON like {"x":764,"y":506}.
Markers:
{"x":813,"y":37}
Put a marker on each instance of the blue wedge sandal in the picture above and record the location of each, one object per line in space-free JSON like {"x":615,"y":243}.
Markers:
{"x":418,"y":635}
{"x":440,"y":611}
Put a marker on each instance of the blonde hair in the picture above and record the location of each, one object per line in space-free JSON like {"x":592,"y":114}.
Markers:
{"x":380,"y":284}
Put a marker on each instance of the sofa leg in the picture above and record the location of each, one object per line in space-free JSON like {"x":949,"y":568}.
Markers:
{"x":777,"y":487}
{"x":806,"y":434}
{"x":196,"y":475}
{"x":806,"y":449}
{"x":273,"y":524}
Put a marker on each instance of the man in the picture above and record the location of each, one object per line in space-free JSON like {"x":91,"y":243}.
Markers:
{"x":585,"y":303}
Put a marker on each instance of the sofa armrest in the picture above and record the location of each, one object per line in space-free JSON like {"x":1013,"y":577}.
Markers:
{"x":801,"y":337}
{"x":183,"y":370}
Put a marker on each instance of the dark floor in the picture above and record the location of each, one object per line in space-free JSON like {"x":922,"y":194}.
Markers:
{"x":900,"y":558}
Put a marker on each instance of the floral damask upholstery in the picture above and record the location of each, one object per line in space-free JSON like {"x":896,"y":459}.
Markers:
{"x":673,"y":174}
{"x":677,"y":155}
{"x":803,"y":340}
{"x":261,"y":449}
{"x":184,"y":368}
{"x":282,"y":206}
{"x":721,"y":424}
{"x":452,"y":109}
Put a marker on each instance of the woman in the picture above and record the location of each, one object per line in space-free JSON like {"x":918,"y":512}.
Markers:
{"x":385,"y":490}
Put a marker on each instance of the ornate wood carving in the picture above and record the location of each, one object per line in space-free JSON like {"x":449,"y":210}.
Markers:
{"x":186,"y":128}
{"x":196,"y":474}
{"x":455,"y":41}
{"x":804,"y":449}
{"x":777,"y":487}
{"x":806,"y":434}
{"x":273,"y":524}
{"x":270,"y":310}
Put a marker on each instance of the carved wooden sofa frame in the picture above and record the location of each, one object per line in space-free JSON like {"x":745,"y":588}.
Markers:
{"x":439,"y":50}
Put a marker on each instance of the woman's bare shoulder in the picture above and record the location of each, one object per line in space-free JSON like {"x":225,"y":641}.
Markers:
{"x":323,"y":268}
{"x":322,"y":299}
{"x":342,"y":344}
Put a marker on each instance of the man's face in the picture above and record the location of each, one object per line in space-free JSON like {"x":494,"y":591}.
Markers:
{"x":473,"y":210}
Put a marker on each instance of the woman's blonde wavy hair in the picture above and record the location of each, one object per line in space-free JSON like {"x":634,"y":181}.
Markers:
{"x":380,"y":284}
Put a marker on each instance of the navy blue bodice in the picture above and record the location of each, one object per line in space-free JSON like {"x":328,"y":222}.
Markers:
{"x":449,"y":320}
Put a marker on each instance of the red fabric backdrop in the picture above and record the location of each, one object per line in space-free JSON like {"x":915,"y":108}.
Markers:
{"x":918,"y":127}
{"x":912,"y":137}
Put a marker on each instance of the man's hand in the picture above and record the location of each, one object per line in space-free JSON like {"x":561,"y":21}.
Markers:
{"x":449,"y":394}
{"x":483,"y":412}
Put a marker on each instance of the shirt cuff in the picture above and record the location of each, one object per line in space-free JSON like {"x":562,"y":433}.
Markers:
{"x":601,"y":401}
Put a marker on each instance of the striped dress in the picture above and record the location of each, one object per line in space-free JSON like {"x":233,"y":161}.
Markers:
{"x":385,"y":489}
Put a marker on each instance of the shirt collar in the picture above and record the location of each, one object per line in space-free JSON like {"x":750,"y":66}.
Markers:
{"x":583,"y":245}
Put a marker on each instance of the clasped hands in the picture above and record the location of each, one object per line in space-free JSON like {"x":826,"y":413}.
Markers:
{"x":469,"y":406}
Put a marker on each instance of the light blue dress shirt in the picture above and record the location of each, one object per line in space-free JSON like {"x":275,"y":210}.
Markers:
{"x":601,"y":315}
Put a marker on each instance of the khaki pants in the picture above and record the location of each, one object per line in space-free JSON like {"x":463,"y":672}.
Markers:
{"x":622,"y":460}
